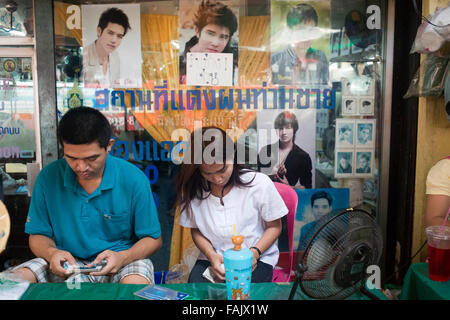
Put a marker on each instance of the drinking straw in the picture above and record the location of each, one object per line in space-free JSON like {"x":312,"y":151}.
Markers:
{"x":441,"y":230}
{"x":234,"y":227}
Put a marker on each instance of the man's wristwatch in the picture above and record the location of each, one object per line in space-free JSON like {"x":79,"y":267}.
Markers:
{"x":257,"y":250}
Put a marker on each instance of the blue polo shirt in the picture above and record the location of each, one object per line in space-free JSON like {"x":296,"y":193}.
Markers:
{"x":115,"y":216}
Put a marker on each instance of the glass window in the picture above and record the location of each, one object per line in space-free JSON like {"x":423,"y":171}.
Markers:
{"x":16,"y":18}
{"x":303,"y":77}
{"x":17,"y":123}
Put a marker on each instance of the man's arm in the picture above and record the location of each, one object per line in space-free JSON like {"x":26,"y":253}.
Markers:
{"x":44,"y":247}
{"x":116,"y":260}
{"x":141,"y":250}
{"x":437,"y":207}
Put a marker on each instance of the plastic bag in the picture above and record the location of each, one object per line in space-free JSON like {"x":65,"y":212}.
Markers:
{"x":429,"y":78}
{"x":430,"y":38}
{"x":179,"y":273}
{"x":12,"y":287}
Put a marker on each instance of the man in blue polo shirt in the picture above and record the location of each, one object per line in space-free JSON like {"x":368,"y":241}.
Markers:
{"x":90,"y":206}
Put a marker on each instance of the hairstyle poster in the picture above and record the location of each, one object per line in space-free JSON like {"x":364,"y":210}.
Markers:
{"x":313,"y":204}
{"x":355,"y":147}
{"x":300,"y":42}
{"x":286,"y":145}
{"x":209,"y":42}
{"x":111,"y":36}
{"x":358,"y":95}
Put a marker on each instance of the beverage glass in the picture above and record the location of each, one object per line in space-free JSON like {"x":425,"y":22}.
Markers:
{"x":238,"y":271}
{"x":438,"y":253}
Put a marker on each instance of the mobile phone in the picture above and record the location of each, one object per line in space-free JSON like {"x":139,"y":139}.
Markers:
{"x":94,"y":268}
{"x":82,"y":269}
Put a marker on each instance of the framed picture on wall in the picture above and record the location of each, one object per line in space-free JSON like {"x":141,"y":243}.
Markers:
{"x":364,"y":163}
{"x":344,"y":163}
{"x":119,"y":44}
{"x":314,"y":204}
{"x":209,"y":42}
{"x":345,"y":133}
{"x":298,"y":127}
{"x":345,"y":84}
{"x":365,"y":133}
{"x":366,"y":106}
{"x":349,"y":106}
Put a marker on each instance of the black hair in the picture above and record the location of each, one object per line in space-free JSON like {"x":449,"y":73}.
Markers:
{"x":321,"y":195}
{"x":284,"y":119}
{"x":114,"y":15}
{"x":189,"y":182}
{"x":301,"y":14}
{"x":84,"y":125}
{"x":344,"y":128}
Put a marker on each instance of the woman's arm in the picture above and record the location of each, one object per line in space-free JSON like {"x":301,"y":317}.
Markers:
{"x":205,"y":246}
{"x":437,"y":207}
{"x":270,"y":235}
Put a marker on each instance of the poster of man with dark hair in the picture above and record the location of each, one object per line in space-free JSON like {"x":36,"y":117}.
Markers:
{"x":209,"y":42}
{"x":302,"y":26}
{"x":313,"y":205}
{"x":111,"y":46}
{"x":286,"y":143}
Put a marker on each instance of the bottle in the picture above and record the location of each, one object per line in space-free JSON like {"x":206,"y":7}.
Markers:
{"x":238,"y":270}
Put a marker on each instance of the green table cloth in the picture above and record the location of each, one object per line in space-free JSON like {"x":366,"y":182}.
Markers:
{"x":196,"y":291}
{"x":418,"y":286}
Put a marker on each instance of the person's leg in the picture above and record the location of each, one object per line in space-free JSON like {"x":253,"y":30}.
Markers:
{"x":26,"y":274}
{"x":35,"y":270}
{"x":197,"y":271}
{"x":262,"y":273}
{"x":137,"y":272}
{"x":134,"y":279}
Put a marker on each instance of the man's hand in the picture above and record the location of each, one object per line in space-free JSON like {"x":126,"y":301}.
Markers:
{"x":281,"y":173}
{"x":57,"y":258}
{"x":115,"y":261}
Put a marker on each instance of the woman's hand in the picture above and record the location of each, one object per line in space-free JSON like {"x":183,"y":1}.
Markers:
{"x":255,"y":258}
{"x":217,"y":270}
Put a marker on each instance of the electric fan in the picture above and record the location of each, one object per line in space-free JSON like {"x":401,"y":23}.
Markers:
{"x":334,"y":257}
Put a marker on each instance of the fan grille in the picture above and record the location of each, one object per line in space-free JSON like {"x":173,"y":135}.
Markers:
{"x":336,"y":253}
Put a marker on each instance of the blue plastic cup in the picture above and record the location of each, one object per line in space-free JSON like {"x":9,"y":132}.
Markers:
{"x":238,"y":273}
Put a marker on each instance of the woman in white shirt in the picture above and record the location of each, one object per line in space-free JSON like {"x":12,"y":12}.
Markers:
{"x":217,"y":195}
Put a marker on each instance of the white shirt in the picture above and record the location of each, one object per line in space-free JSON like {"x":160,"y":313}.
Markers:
{"x":93,"y":70}
{"x":245,"y":207}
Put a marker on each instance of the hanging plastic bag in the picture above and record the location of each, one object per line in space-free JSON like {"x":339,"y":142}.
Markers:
{"x":431,"y":37}
{"x":429,"y":78}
